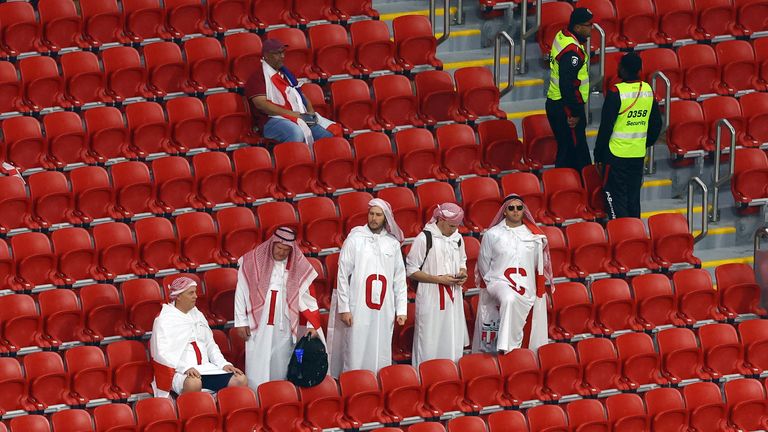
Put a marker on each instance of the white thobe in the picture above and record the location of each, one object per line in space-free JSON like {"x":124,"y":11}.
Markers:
{"x":370,"y":285}
{"x":269,"y":348}
{"x":440,"y":327}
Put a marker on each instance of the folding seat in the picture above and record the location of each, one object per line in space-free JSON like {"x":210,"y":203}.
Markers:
{"x":614,"y":306}
{"x":459,"y":153}
{"x":739,"y":292}
{"x":61,"y":25}
{"x":375,"y":161}
{"x":230,"y":120}
{"x":415,"y":42}
{"x":353,"y":208}
{"x":639,"y":23}
{"x":314,"y":93}
{"x":561,"y":370}
{"x":174,"y":184}
{"x":256,"y":173}
{"x":43,"y":87}
{"x":753,"y":109}
{"x":656,"y":303}
{"x":15,"y":208}
{"x":76,"y":256}
{"x":108,"y":135}
{"x":589,"y":248}
{"x":554,"y":17}
{"x":271,"y":12}
{"x":522,"y":376}
{"x":672,"y":243}
{"x":10,"y":89}
{"x":705,"y":403}
{"x":118,"y":253}
{"x":527,"y":186}
{"x":754,"y":335}
{"x":681,"y":357}
{"x":696,"y":298}
{"x":103,"y":312}
{"x":244,"y":55}
{"x":402,"y":339}
{"x":309,"y":10}
{"x":21,"y":324}
{"x":604,"y":13}
{"x":752,"y":14}
{"x":501,"y":147}
{"x":718,"y":17}
{"x":85,"y":82}
{"x":593,"y":183}
{"x":353,"y":106}
{"x":35,"y":262}
{"x":67,"y":140}
{"x":723,"y":353}
{"x":187,"y":17}
{"x":566,"y":197}
{"x":678,"y":20}
{"x":443,"y":389}
{"x":688,"y":130}
{"x":145,"y":19}
{"x":478,"y":92}
{"x":295,"y":170}
{"x":90,"y":377}
{"x":640,"y":363}
{"x":332,"y":52}
{"x":664,"y":60}
{"x":150,"y":131}
{"x":197,"y":411}
{"x":364,"y":400}
{"x":30,"y":423}
{"x":431,"y":194}
{"x":116,"y":416}
{"x":273,"y":215}
{"x":103,"y":22}
{"x":238,"y":232}
{"x":374,"y":50}
{"x":419,"y":159}
{"x":723,"y":107}
{"x":126,"y":76}
{"x":405,"y":209}
{"x":7,"y":267}
{"x":130,"y":369}
{"x":626,"y":412}
{"x":356,"y":7}
{"x":572,"y":312}
{"x":239,"y":409}
{"x":280,"y":403}
{"x":550,"y":418}
{"x":20,"y":30}
{"x":48,"y":382}
{"x":467,"y":424}
{"x":226,"y":15}
{"x":72,"y":420}
{"x":402,"y":392}
{"x":740,"y":70}
{"x":396,"y":103}
{"x":438,"y":99}
{"x":749,"y":176}
{"x":481,"y":199}
{"x":199,"y":238}
{"x":426,"y":426}
{"x":600,"y":362}
{"x":156,"y":410}
{"x":133,"y":190}
{"x":92,"y":192}
{"x":15,"y":396}
{"x":208,"y":67}
{"x":324,"y":407}
{"x":215,"y":178}
{"x":587,"y":414}
{"x":220,"y":286}
{"x":472,"y":249}
{"x":167,"y":70}
{"x":336,"y":164}
{"x":143,"y":300}
{"x":666,"y":409}
{"x":190,"y":127}
{"x":320,"y":224}
{"x":298,"y":56}
{"x":630,"y":244}
{"x":62,"y":316}
{"x":483,"y":383}
{"x":158,"y":245}
{"x":746,"y":402}
{"x":702,"y":73}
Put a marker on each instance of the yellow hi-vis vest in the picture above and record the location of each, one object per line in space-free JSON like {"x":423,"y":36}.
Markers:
{"x":631,"y":128}
{"x":558,"y":45}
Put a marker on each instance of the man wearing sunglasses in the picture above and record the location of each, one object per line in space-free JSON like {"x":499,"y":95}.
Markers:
{"x":513,"y":266}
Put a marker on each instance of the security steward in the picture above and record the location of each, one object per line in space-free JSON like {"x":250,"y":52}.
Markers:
{"x":630,"y":123}
{"x":569,"y":90}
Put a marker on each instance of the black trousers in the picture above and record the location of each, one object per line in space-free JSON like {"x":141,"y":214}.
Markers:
{"x":572,"y":150}
{"x":622,"y":186}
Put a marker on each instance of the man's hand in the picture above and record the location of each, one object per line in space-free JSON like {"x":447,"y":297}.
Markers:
{"x":243,"y":332}
{"x":572,"y":122}
{"x":192,"y":373}
{"x":447,"y":280}
{"x":346,"y":318}
{"x":312,"y":333}
{"x":401,"y":319}
{"x":234,"y":370}
{"x":462,"y":277}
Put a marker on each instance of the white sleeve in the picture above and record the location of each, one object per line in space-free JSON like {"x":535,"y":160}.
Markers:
{"x":416,"y":255}
{"x":214,"y":353}
{"x":346,"y":267}
{"x":242,"y":298}
{"x":401,"y":289}
{"x":306,"y":300}
{"x":484,"y":258}
{"x":463,"y":257}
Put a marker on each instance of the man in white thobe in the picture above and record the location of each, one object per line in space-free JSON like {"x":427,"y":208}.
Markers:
{"x":370,"y":294}
{"x":185,"y":356}
{"x":513,"y":266}
{"x":273,"y":305}
{"x":440,"y":267}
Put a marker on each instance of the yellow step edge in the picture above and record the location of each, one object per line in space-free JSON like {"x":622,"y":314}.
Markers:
{"x":737,"y":260}
{"x":657,"y":183}
{"x":682,"y":210}
{"x":524,"y":83}
{"x":474,"y":63}
{"x":718,"y":231}
{"x":461,"y":33}
{"x":423,"y":12}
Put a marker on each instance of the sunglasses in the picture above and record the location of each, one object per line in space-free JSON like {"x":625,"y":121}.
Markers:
{"x":513,"y":208}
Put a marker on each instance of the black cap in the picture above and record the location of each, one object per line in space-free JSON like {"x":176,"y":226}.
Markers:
{"x":631,"y":63}
{"x":580,"y":16}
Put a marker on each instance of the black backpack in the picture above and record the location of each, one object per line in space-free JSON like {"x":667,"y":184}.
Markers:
{"x":309,"y":362}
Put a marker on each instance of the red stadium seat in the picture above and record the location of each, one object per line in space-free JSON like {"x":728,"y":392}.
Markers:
{"x":67,"y":139}
{"x":30,"y":423}
{"x":405,"y":210}
{"x":402,"y":391}
{"x":364,"y":400}
{"x":483,"y":383}
{"x":323,"y":405}
{"x":84,"y":80}
{"x":49,"y":383}
{"x":296,"y":171}
{"x":298,"y":56}
{"x":314,"y":94}
{"x":20,"y":30}
{"x":270,"y":12}
{"x":43,"y":87}
{"x":754,"y":335}
{"x":562,"y":372}
{"x":187,"y":17}
{"x":7,"y":267}
{"x":158,"y":245}
{"x":10,"y":89}
{"x":216,"y":179}
{"x":310,"y":10}
{"x":199,"y":238}
{"x":632,"y":249}
{"x":626,"y":412}
{"x":353,"y":208}
{"x":89,"y":374}
{"x":688,"y":130}
{"x":724,"y":107}
{"x":15,"y":211}
{"x":739,"y":292}
{"x":718,"y":17}
{"x":554,"y":17}
{"x":352,"y":105}
{"x":154,"y":410}
{"x":527,"y":186}
{"x":276,"y":214}
{"x":666,"y":409}
{"x":61,"y":25}
{"x":524,"y":379}
{"x":478,"y":93}
{"x":103,"y":21}
{"x":593,"y":183}
{"x":208,"y":67}
{"x":558,"y":250}
{"x":15,"y":396}
{"x":415,"y":42}
{"x":143,"y":300}
{"x":746,"y":403}
{"x":510,"y":421}
{"x":466,"y":424}
{"x":549,"y":418}
{"x":566,"y":197}
{"x":705,"y":403}
{"x":472,"y":249}
{"x":431,"y":195}
{"x":752,"y":14}
{"x":150,"y":131}
{"x":701,"y":70}
{"x":640,"y":362}
{"x":230,"y":14}
{"x":740,"y":70}
{"x":145,"y":19}
{"x":131,"y":371}
{"x":168,"y":73}
{"x":332,"y":52}
{"x":438,"y":99}
{"x":656,"y":303}
{"x":723,"y":353}
{"x":103,"y":312}
{"x":375,"y":161}
{"x":601,"y":366}
{"x":244,"y":55}
{"x":174,"y":184}
{"x":118,"y":253}
{"x":336,"y":164}
{"x":76,"y":256}
{"x":239,"y":408}
{"x":197,"y":411}
{"x":396,"y":103}
{"x":356,"y":7}
{"x":572,"y":312}
{"x":696,"y":297}
{"x":681,"y":357}
{"x":444,"y":390}
{"x":614,"y":306}
{"x":481,"y":200}
{"x":108,"y":134}
{"x":678,"y":20}
{"x":25,"y":146}
{"x":320,"y":223}
{"x":672,"y":243}
{"x":280,"y":403}
{"x":126,"y":76}
{"x":133,"y":189}
{"x":749,"y":176}
{"x":115,"y":416}
{"x":587,"y":414}
{"x":373,"y":48}
{"x":753,"y":109}
{"x":664,"y":60}
{"x":190,"y":127}
{"x":92,"y":192}
{"x":419,"y":159}
{"x":62,"y":316}
{"x":639,"y":23}
{"x":230,"y":119}
{"x":220,"y":286}
{"x":35,"y":262}
{"x":21,"y":323}
{"x":459,"y":152}
{"x":256,"y":174}
{"x":590,"y":251}
{"x":238,"y":232}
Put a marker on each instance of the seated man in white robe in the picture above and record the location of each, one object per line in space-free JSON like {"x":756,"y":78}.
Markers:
{"x":273,"y":305}
{"x":185,"y":356}
{"x":512,"y":266}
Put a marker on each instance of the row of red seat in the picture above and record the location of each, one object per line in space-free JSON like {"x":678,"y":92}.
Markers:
{"x":98,"y":22}
{"x":750,"y":177}
{"x":628,"y":23}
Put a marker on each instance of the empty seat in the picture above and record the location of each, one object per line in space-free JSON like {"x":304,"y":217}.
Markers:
{"x":230,"y":14}
{"x":558,"y":251}
{"x":43,"y":87}
{"x":197,"y":411}
{"x":238,"y":232}
{"x":688,"y":130}
{"x":678,"y":20}
{"x":133,"y":189}
{"x":723,"y":353}
{"x":84,"y":80}
{"x":478,"y":92}
{"x":220,"y":288}
{"x":666,"y":409}
{"x":502,"y":149}
{"x":466,"y":424}
{"x":158,"y":246}
{"x":145,"y":19}
{"x":156,"y":409}
{"x":639,"y":360}
{"x":187,"y":17}
{"x":701,"y":71}
{"x":718,"y":17}
{"x":103,"y":312}
{"x":190,"y":127}
{"x":402,"y":391}
{"x":67,"y":140}
{"x":566,"y":197}
{"x":749,"y":176}
{"x":562,"y":371}
{"x":118,"y":253}
{"x":89,"y":374}
{"x":746,"y":402}
{"x":49,"y":383}
{"x":336,"y":164}
{"x":697,"y":298}
{"x":143,"y":299}
{"x":230,"y":120}
{"x":415,"y":42}
{"x":655,"y":301}
{"x":130,"y":369}
{"x":376,"y":163}
{"x":705,"y":403}
{"x":174,"y":184}
{"x":752,"y":14}
{"x":523,"y":376}
{"x":21,"y":323}
{"x":108,"y":134}
{"x":216,"y":179}
{"x":672,"y":242}
{"x":438,"y":99}
{"x":35,"y":262}
{"x":323,"y":405}
{"x":681,"y":357}
{"x":664,"y":60}
{"x":372,"y":46}
{"x":627,"y":412}
{"x":571,"y":312}
{"x":353,"y":106}
{"x":614,"y":307}
{"x":512,"y":421}
{"x":113,"y":417}
{"x":208,"y":67}
{"x":239,"y":408}
{"x":632,"y":249}
{"x":125,"y":74}
{"x":92,"y":192}
{"x":244,"y":55}
{"x":754,"y":335}
{"x":724,"y":107}
{"x":419,"y":159}
{"x":296,"y":171}
{"x":271,"y":12}
{"x":61,"y":25}
{"x":30,"y":423}
{"x":590,"y":251}
{"x":587,"y":414}
{"x":639,"y":23}
{"x":396,"y":103}
{"x":198,"y":238}
{"x":483,"y":383}
{"x":10,"y":89}
{"x":61,"y":316}
{"x":103,"y":21}
{"x":481,"y":199}
{"x":15,"y":211}
{"x":364,"y":401}
{"x":20,"y":30}
{"x":256,"y":173}
{"x":280,"y":402}
{"x":459,"y":152}
{"x":444,"y":391}
{"x":547,"y":418}
{"x":150,"y":131}
{"x":601,"y":366}
{"x":740,"y":70}
{"x":168,"y":73}
{"x":739,"y":292}
{"x":320,"y":223}
{"x":76,"y":256}
{"x":332,"y":52}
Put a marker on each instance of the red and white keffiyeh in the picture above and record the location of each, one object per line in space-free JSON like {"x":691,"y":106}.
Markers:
{"x":389,"y":216}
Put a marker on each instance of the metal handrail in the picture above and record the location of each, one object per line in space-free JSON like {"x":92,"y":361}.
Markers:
{"x":510,"y":64}
{"x":459,"y":12}
{"x":760,"y":234}
{"x":601,"y":62}
{"x":720,"y":181}
{"x":651,"y":164}
{"x":525,"y":32}
{"x":446,"y":19}
{"x":704,"y":204}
